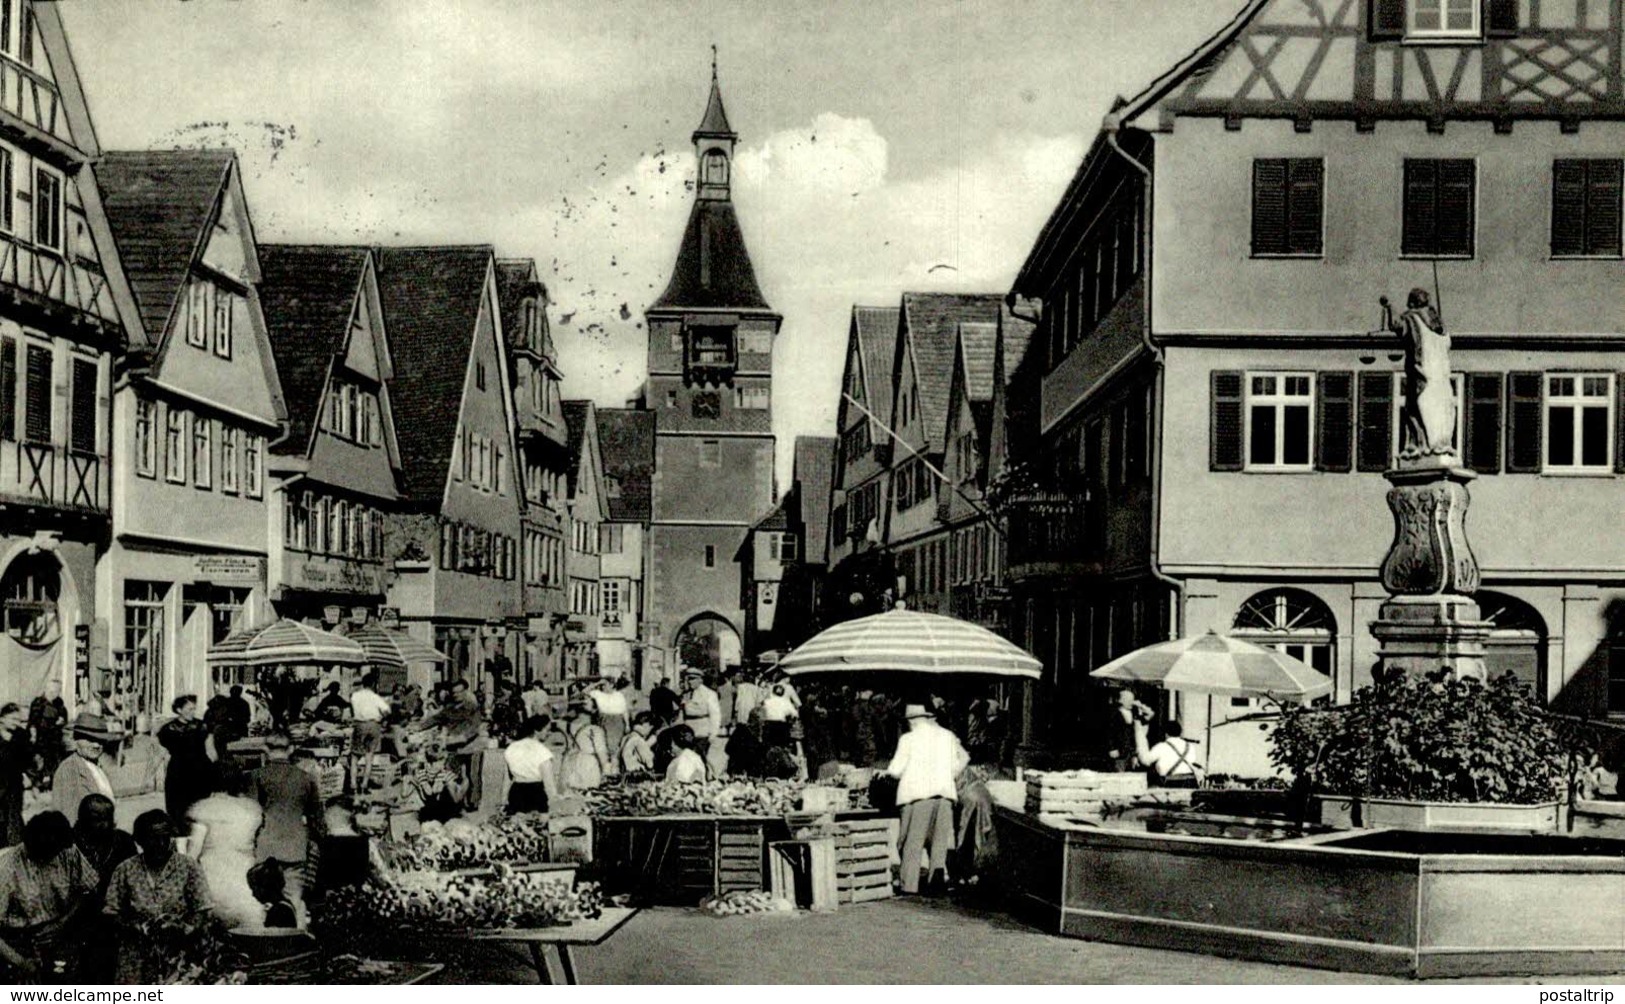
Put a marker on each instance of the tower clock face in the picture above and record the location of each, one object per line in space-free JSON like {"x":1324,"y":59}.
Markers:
{"x":707,"y":404}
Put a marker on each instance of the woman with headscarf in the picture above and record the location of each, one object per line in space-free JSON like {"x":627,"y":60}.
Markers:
{"x":157,"y":899}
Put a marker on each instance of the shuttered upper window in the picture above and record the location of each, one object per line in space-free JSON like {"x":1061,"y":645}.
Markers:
{"x":82,"y":429}
{"x":1439,"y":208}
{"x":1586,"y":208}
{"x":1288,"y":201}
{"x":37,"y":395}
{"x":1448,"y":21}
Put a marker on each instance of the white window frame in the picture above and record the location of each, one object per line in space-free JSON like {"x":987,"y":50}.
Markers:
{"x":202,"y":452}
{"x":1577,"y":400}
{"x":710,"y":453}
{"x":1457,"y":381}
{"x":752,"y":398}
{"x":222,"y":318}
{"x":610,"y":591}
{"x":1279,"y":400}
{"x":59,"y":210}
{"x":253,"y":471}
{"x":230,"y":450}
{"x":1444,"y":9}
{"x":175,"y":457}
{"x":146,"y":436}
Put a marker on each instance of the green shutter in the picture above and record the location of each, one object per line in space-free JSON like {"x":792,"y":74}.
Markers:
{"x":1334,"y":422}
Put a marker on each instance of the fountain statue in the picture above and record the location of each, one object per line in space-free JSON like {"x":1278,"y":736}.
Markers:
{"x":1430,"y":619}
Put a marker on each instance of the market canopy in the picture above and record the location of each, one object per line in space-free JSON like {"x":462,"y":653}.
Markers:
{"x":1221,"y":666}
{"x":286,"y":642}
{"x":392,"y":649}
{"x":909,"y":641}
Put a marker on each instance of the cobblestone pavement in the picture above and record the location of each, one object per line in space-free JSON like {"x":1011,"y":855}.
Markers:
{"x":899,"y":941}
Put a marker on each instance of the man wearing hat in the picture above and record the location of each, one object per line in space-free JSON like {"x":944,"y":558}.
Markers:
{"x":81,"y":774}
{"x":702,"y":710}
{"x":928,"y":760}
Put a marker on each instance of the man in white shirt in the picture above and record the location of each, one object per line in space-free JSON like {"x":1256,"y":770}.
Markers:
{"x":747,"y":694}
{"x":368,"y":709}
{"x":927,"y":764}
{"x":614,"y":713}
{"x":1171,"y":761}
{"x":535,"y":699}
{"x":702,"y":712}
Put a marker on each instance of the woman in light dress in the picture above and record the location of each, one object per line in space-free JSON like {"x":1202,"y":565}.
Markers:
{"x":222,"y":840}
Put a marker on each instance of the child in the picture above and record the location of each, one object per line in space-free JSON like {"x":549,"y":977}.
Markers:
{"x":270,"y":888}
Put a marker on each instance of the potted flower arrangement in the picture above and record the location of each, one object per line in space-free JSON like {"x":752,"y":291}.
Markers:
{"x":1436,"y":751}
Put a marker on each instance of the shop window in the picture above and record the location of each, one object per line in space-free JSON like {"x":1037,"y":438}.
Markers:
{"x":31,"y":589}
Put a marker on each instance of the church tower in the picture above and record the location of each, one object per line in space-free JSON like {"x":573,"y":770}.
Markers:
{"x":711,"y":388}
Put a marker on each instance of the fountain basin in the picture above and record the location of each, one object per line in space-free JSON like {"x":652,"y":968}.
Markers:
{"x":1424,"y":904}
{"x":1338,"y":810}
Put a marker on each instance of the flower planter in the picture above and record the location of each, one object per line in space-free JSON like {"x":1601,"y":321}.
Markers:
{"x":1403,"y":814}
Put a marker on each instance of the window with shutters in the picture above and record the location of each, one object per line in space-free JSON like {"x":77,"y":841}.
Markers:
{"x":1586,"y":208}
{"x":1280,"y":411}
{"x":82,"y":430}
{"x":8,"y":174}
{"x":223,"y":304}
{"x":1399,"y":409}
{"x":146,"y":442}
{"x":202,"y":444}
{"x":1439,"y":209}
{"x":253,"y":472}
{"x":1226,"y":422}
{"x":8,"y":385}
{"x":1334,"y":422}
{"x":1443,"y":19}
{"x":1481,"y":425}
{"x":1579,"y":423}
{"x":37,"y":395}
{"x":230,"y":437}
{"x":175,"y":446}
{"x":1288,"y":207}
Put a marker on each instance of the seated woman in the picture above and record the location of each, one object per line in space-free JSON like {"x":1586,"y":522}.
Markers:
{"x":156,"y":900}
{"x":1170,"y":760}
{"x":687,"y":767}
{"x":45,"y":883}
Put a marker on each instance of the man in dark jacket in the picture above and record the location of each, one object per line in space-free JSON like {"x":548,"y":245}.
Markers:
{"x":664,"y":703}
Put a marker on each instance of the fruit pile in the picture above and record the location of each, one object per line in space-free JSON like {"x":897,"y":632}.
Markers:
{"x":460,"y":844}
{"x":436,"y":901}
{"x":727,"y":797}
{"x":739,"y":903}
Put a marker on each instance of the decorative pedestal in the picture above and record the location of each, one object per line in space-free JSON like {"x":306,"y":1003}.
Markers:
{"x":1430,"y":620}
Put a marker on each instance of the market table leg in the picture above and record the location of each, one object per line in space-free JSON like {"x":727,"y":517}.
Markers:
{"x":567,"y":965}
{"x":538,"y":959}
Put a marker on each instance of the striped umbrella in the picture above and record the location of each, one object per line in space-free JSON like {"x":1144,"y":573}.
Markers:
{"x":393,"y":649}
{"x":1218,"y":665}
{"x":909,"y":641}
{"x":286,"y":642}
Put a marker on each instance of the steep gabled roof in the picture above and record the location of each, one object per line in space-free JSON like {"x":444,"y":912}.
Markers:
{"x":307,"y":293}
{"x":813,"y":476}
{"x":778,"y":519}
{"x":626,"y":438}
{"x":931,"y":325}
{"x":160,"y":204}
{"x":977,"y":342}
{"x":713,"y":268}
{"x":715,"y":122}
{"x":575,"y":422}
{"x":431,"y":298}
{"x":516,"y":280}
{"x":876,"y":331}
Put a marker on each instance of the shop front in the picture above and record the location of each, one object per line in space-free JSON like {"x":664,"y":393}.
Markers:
{"x":49,"y":613}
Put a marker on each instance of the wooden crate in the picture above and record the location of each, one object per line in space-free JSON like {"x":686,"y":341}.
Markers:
{"x":680,"y":860}
{"x":865,"y":851}
{"x":739,"y":856}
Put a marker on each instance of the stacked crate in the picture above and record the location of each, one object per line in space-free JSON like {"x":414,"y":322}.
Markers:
{"x":1063,"y":794}
{"x":865,"y":850}
{"x":739,"y":857}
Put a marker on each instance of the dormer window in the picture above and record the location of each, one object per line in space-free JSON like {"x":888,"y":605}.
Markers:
{"x":1430,"y":19}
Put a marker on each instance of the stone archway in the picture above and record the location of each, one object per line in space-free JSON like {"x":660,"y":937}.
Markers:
{"x":1517,"y":641}
{"x":707,"y":641}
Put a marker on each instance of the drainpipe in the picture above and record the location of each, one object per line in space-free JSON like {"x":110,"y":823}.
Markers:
{"x":1112,"y":124}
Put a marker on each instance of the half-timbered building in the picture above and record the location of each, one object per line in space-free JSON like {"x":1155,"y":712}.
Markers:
{"x":1218,"y":397}
{"x":66,"y":314}
{"x":588,"y":510}
{"x":192,"y":418}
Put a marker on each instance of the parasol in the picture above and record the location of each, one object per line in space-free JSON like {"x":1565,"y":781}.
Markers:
{"x":910,"y":641}
{"x":393,"y":649}
{"x":286,"y":642}
{"x":1218,"y":665}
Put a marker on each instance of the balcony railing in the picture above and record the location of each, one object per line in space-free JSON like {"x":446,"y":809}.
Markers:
{"x":47,"y":275}
{"x":1053,"y":533}
{"x":50,"y":475}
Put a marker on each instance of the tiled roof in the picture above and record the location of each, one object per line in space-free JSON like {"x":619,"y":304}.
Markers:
{"x":431,"y":299}
{"x":1018,"y":338}
{"x":159,"y":204}
{"x":575,"y":421}
{"x":814,"y":475}
{"x":932,"y":321}
{"x":877,"y":347}
{"x":713,"y":268}
{"x":977,"y":342}
{"x":626,"y":439}
{"x":307,"y":293}
{"x":778,"y":519}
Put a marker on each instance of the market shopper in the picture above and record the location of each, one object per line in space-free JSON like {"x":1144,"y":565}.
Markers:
{"x":664,"y":703}
{"x":532,"y":772}
{"x":191,"y":773}
{"x":777,"y":714}
{"x":47,"y":730}
{"x":155,"y":899}
{"x":587,"y":760}
{"x":437,"y":788}
{"x":702,"y":712}
{"x":82,"y":774}
{"x":105,"y":847}
{"x":1127,"y":711}
{"x":614,"y":713}
{"x":222,"y":831}
{"x":1171,"y":761}
{"x":368,"y":709}
{"x":45,"y":884}
{"x":15,"y":760}
{"x":928,"y":761}
{"x":687,"y":766}
{"x":292,"y":801}
{"x":637,"y":755}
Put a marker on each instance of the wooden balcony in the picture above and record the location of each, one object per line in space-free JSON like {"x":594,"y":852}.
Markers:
{"x":1053,"y":534}
{"x":53,"y":477}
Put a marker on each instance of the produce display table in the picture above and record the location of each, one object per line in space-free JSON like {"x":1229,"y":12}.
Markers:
{"x":562,"y":938}
{"x":312,"y":968}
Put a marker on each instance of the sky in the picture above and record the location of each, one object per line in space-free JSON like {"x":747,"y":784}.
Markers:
{"x":884,"y":145}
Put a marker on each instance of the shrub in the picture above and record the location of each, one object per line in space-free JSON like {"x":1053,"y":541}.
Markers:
{"x":1436,"y":738}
